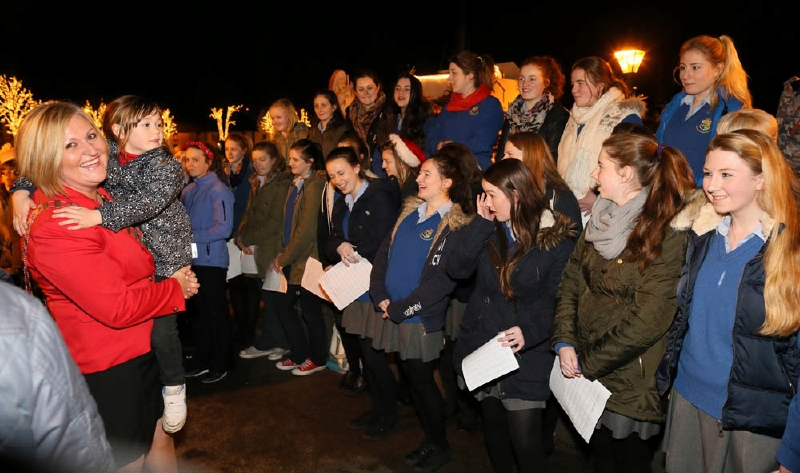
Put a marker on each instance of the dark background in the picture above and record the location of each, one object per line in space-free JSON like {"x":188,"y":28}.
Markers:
{"x":191,"y":56}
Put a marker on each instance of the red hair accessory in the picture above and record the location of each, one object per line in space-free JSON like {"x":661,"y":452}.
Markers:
{"x":201,"y":146}
{"x":409,"y":152}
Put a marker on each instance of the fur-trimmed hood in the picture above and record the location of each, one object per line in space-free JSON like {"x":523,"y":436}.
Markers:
{"x":455,"y":218}
{"x":699,"y":216}
{"x":554,"y":228}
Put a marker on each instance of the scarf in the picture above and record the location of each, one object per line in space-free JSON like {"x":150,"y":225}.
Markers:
{"x":578,"y":153}
{"x":529,"y":120}
{"x":609,"y":224}
{"x":363,"y":118}
{"x":459,"y":103}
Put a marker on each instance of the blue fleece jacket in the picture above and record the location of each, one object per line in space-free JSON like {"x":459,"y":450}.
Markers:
{"x":209,"y":203}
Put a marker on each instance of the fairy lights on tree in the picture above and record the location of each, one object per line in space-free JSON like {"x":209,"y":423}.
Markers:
{"x":216,"y":114}
{"x":265,"y":124}
{"x":15,"y":102}
{"x":96,"y":115}
{"x":170,"y":128}
{"x":304,"y":117}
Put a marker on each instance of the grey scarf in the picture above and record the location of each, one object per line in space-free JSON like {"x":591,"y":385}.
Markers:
{"x":609,"y":224}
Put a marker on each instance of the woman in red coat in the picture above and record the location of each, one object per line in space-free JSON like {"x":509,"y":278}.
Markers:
{"x":99,"y":285}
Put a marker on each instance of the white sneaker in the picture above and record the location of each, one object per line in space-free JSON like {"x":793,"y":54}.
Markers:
{"x":253,"y":352}
{"x":277,"y":354}
{"x":174,"y":408}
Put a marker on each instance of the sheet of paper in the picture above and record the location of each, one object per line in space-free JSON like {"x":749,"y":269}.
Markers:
{"x":249,"y":263}
{"x":488,"y":363}
{"x":344,"y":284}
{"x":234,"y":260}
{"x":275,"y":282}
{"x":582,"y":400}
{"x":311,"y":276}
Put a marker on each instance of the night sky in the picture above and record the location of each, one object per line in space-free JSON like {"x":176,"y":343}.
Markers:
{"x":190,"y":56}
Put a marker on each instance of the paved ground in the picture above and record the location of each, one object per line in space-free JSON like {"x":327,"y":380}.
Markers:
{"x":261,"y":419}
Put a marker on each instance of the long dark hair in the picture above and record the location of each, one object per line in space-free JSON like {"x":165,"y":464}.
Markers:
{"x":515,"y":181}
{"x":417,"y":112}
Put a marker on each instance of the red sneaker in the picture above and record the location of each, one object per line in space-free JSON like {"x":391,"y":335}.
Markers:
{"x":307,"y":368}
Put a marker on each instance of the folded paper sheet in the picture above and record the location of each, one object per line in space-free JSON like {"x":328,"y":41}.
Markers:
{"x":275,"y":282}
{"x":582,"y":400}
{"x":488,"y":363}
{"x":234,"y":260}
{"x":311,"y":276}
{"x":344,"y":284}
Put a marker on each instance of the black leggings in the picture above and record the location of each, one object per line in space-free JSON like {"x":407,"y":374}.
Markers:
{"x":427,"y":399}
{"x":381,"y":380}
{"x":511,"y":435}
{"x":628,"y":455}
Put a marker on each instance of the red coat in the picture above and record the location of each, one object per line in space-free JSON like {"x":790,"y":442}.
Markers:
{"x":99,"y":286}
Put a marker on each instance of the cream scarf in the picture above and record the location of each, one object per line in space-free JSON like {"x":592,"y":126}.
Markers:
{"x":578,"y":153}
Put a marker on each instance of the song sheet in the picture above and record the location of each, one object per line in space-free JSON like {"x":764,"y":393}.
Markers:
{"x":311,"y":276}
{"x":582,"y":400}
{"x":488,"y":363}
{"x":344,"y":284}
{"x":249,"y":262}
{"x":234,"y":260}
{"x":274,"y":281}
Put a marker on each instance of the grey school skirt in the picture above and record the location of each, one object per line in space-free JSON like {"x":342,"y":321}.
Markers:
{"x":407,"y":339}
{"x":452,"y":321}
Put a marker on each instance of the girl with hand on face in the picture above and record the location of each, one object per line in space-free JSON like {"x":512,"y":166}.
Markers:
{"x":260,"y":234}
{"x":733,"y":361}
{"x":286,"y":126}
{"x":329,"y":123}
{"x":410,"y":287}
{"x":209,"y":201}
{"x":602,"y":101}
{"x":518,"y":248}
{"x":537,"y":108}
{"x":714,"y":84}
{"x":472,"y":116}
{"x":617,"y":298}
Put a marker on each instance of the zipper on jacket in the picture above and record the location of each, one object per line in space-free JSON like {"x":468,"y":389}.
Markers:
{"x":641,"y":368}
{"x":789,"y":379}
{"x":719,"y":426}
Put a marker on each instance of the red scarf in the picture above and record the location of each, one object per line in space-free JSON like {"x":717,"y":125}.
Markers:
{"x":126,"y":157}
{"x":459,"y":103}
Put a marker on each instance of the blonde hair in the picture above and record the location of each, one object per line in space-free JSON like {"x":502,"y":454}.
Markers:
{"x":39,"y":144}
{"x":721,"y":52}
{"x":779,"y":199}
{"x":291,"y":114}
{"x":751,"y":119}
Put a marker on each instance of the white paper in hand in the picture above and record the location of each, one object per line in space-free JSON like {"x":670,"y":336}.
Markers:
{"x":488,"y":363}
{"x":249,"y":263}
{"x":234,"y":260}
{"x":311,"y":276}
{"x":344,"y":284}
{"x":582,"y":400}
{"x":275,"y":282}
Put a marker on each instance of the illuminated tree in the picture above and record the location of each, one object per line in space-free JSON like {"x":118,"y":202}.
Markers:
{"x":304,"y":117}
{"x":216,"y":114}
{"x":15,"y":102}
{"x":97,"y":115}
{"x":170,"y":128}
{"x":265,"y":124}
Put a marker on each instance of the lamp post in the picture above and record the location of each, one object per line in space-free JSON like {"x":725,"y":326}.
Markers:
{"x":629,"y":62}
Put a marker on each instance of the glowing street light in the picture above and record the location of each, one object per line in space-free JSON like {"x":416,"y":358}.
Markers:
{"x":629,"y":59}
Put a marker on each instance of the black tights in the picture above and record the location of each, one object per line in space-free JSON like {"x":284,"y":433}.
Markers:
{"x":427,"y":399}
{"x":628,"y":455}
{"x":511,"y":435}
{"x":381,"y":380}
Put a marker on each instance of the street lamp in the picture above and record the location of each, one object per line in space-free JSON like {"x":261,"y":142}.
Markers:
{"x":629,"y":59}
